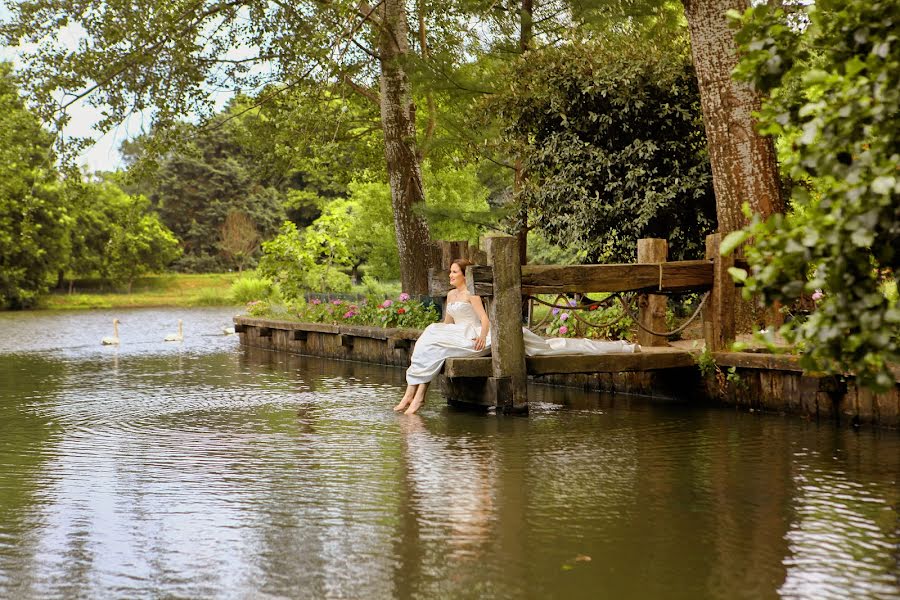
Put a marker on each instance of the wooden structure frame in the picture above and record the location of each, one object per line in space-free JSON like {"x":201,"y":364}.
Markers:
{"x":500,"y":380}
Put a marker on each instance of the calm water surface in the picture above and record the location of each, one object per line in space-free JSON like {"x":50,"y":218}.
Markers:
{"x":201,"y":470}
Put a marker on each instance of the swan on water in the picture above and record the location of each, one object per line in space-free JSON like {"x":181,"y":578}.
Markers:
{"x":227,"y":330}
{"x":114,"y":340}
{"x":176,"y":337}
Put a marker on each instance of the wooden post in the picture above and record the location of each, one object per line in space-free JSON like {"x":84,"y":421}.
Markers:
{"x":718,"y":314}
{"x":508,"y":384}
{"x":652,"y":307}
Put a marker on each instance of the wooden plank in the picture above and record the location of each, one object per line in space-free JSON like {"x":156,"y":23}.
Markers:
{"x":438,"y":283}
{"x":677,"y":276}
{"x":375,"y":333}
{"x":759,"y":360}
{"x":480,"y":280}
{"x":652,"y":307}
{"x":652,"y":359}
{"x":468,"y":367}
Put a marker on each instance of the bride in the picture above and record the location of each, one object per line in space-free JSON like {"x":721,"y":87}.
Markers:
{"x":465,"y":332}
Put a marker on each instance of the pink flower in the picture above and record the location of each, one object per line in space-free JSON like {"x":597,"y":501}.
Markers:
{"x":564,"y":317}
{"x":404,"y":297}
{"x":818,"y":295}
{"x":387,"y":303}
{"x":349,"y":314}
{"x":337,"y":302}
{"x":563,"y":330}
{"x":316,"y":301}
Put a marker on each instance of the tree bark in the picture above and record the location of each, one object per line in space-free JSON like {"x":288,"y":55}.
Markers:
{"x":398,"y":121}
{"x":744,"y":164}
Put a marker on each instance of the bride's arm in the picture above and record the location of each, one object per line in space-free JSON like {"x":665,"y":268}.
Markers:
{"x":485,"y":323}
{"x":447,"y":318}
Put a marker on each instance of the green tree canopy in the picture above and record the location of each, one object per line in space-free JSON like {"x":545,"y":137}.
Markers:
{"x":197,"y":184}
{"x":34,"y":223}
{"x":612,"y":139}
{"x":834,"y":74}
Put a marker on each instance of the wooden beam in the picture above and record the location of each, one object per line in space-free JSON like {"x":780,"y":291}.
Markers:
{"x":438,"y":283}
{"x":650,"y":359}
{"x":480,"y":280}
{"x":669,"y":277}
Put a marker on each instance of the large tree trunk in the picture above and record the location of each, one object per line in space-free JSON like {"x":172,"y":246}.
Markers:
{"x":398,"y":121}
{"x":744,"y":165}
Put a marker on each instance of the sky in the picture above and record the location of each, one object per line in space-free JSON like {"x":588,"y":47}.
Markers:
{"x":104,"y":154}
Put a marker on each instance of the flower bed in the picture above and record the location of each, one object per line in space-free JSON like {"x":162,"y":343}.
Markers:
{"x":400,"y":312}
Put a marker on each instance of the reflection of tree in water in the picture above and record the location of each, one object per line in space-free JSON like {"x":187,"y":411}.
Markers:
{"x":28,"y":441}
{"x":844,"y":534}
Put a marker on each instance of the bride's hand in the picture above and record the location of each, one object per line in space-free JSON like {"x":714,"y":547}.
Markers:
{"x":479,"y":342}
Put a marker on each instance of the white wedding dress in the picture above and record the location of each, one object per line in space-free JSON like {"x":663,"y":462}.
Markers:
{"x":441,"y":341}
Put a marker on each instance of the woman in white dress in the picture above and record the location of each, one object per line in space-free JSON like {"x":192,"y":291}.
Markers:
{"x":465,"y":332}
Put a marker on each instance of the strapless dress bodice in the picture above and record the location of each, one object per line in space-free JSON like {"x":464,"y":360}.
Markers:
{"x":463,"y":313}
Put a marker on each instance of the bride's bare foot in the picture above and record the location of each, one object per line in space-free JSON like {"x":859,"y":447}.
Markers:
{"x":407,"y":398}
{"x":418,"y":399}
{"x":416,"y":404}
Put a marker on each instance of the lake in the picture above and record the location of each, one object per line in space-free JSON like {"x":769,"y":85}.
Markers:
{"x":198,"y":469}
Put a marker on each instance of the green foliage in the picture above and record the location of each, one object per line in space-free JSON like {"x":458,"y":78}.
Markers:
{"x":707,"y":363}
{"x":312,"y":259}
{"x":844,"y":120}
{"x":198,"y":185}
{"x":613,"y":144}
{"x":249,"y":288}
{"x":138,"y":243}
{"x":34,"y":223}
{"x":599,"y":320}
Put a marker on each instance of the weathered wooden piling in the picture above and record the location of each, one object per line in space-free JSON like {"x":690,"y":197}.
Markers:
{"x":718,"y":314}
{"x":652,"y":307}
{"x":508,"y":381}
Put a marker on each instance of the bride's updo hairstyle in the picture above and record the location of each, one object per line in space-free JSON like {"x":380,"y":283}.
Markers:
{"x":462,"y":264}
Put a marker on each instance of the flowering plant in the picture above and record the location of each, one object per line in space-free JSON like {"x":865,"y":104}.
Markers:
{"x":400,"y":312}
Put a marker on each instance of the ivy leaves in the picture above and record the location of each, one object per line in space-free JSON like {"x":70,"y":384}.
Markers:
{"x":833,"y":72}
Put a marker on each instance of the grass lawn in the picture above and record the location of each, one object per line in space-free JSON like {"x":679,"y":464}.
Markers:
{"x":169,"y":289}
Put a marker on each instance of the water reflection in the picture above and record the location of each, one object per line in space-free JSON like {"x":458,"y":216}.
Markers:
{"x":203,"y":470}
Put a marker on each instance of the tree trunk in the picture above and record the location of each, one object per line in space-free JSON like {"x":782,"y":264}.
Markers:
{"x":398,"y":121}
{"x":744,"y":165}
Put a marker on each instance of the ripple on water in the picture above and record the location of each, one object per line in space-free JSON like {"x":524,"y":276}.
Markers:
{"x":204,"y":472}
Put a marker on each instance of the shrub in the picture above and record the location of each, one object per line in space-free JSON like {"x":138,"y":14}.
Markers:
{"x":249,"y":288}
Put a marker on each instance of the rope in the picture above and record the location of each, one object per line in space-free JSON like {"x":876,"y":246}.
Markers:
{"x":666,"y":333}
{"x":625,"y":307}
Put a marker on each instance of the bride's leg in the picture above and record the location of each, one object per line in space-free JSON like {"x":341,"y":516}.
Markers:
{"x":418,"y":399}
{"x":407,"y":398}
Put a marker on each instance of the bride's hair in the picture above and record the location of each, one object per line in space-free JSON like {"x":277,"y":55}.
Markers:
{"x":462,"y":264}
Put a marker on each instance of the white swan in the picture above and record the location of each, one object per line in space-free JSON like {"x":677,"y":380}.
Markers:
{"x":176,"y":337}
{"x":227,"y":330}
{"x":114,"y":340}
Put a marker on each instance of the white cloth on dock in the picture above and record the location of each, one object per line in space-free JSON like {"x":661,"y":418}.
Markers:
{"x":441,"y":341}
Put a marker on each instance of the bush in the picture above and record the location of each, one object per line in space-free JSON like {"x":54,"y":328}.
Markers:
{"x":249,"y":288}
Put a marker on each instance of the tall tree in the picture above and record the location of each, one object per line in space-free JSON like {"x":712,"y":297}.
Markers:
{"x":34,"y":222}
{"x":167,"y":57}
{"x":744,"y":164}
